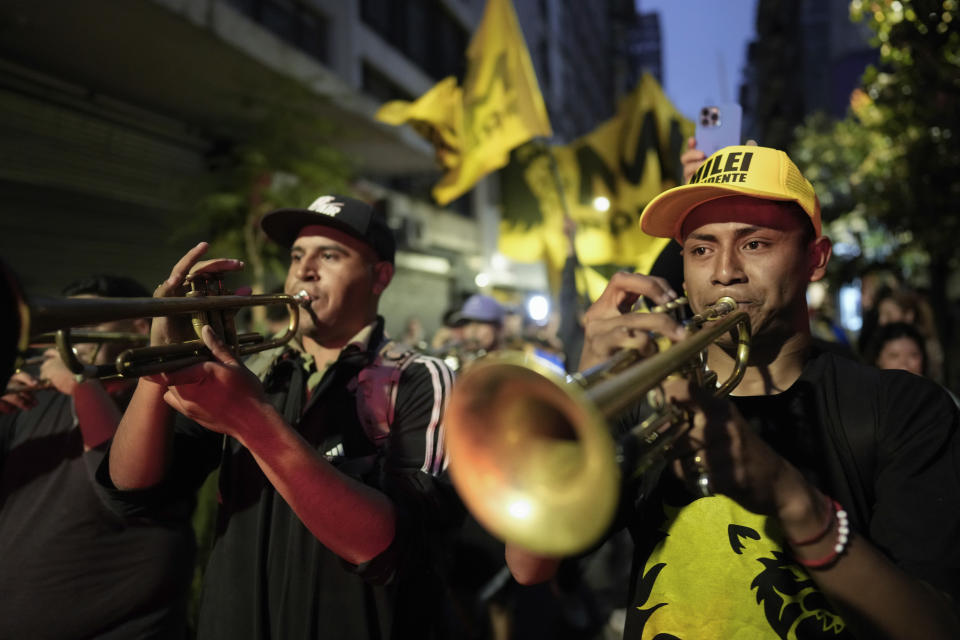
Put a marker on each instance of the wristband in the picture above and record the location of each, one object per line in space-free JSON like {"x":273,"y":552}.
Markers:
{"x":840,"y":545}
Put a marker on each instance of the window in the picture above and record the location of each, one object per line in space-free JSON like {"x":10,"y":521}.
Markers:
{"x":380,"y":86}
{"x":292,"y":21}
{"x":421,"y":30}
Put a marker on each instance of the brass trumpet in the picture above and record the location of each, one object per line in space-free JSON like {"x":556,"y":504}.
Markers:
{"x":68,"y":353}
{"x":531,"y":452}
{"x":207,"y":305}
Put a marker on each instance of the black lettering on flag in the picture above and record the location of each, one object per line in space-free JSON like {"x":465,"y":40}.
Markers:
{"x":590,"y":164}
{"x":621,"y":221}
{"x":632,"y":170}
{"x":670,"y":165}
{"x":472,"y":106}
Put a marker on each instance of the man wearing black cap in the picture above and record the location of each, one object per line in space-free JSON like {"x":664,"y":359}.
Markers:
{"x":822,"y":500}
{"x":331,"y":505}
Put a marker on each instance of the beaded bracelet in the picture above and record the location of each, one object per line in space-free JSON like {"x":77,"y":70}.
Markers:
{"x":843,"y":536}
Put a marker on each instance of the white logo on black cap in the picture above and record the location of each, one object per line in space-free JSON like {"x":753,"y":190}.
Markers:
{"x":326,"y":206}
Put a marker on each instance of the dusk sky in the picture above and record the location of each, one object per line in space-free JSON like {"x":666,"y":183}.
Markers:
{"x":704,"y":49}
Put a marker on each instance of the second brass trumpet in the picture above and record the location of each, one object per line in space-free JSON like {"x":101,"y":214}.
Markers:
{"x":56,"y":316}
{"x":531,"y":452}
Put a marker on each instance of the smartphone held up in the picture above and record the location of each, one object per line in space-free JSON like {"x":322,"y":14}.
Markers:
{"x":718,"y":126}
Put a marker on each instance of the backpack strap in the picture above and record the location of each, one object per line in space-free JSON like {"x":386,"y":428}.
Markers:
{"x":399,"y":355}
{"x":378,"y":385}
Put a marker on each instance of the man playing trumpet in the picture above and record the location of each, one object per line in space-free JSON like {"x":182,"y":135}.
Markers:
{"x":70,"y":567}
{"x":331,"y":501}
{"x":822,"y":499}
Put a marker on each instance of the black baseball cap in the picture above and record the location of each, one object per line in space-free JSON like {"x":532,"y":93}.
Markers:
{"x":352,"y":216}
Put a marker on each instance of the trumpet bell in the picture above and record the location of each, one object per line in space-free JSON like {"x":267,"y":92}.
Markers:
{"x":529,"y":450}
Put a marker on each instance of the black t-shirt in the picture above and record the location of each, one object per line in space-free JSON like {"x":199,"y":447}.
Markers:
{"x":709,"y":568}
{"x":69,"y":566}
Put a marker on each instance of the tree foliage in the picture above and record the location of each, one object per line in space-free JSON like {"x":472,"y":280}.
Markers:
{"x":284,"y":159}
{"x":887,"y":174}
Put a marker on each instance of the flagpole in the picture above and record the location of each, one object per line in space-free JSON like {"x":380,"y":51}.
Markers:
{"x":561,"y":195}
{"x":557,"y":182}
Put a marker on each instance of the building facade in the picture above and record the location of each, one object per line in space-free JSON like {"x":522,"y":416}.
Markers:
{"x":112,"y":112}
{"x":808,"y":56}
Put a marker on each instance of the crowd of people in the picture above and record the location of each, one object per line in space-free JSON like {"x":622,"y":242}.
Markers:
{"x":821,"y":498}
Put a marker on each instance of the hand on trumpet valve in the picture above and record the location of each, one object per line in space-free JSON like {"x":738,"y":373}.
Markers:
{"x":190,"y":272}
{"x":610,"y":325}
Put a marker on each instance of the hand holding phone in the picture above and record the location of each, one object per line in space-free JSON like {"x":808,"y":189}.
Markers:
{"x":718,"y":126}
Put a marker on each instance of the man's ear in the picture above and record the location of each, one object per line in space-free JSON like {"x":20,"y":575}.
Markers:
{"x":819,"y":254}
{"x":382,"y":275}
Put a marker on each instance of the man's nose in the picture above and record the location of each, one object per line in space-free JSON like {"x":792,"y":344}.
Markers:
{"x":306,"y":270}
{"x":728,"y":268}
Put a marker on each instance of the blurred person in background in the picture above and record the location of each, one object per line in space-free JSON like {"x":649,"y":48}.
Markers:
{"x":514,"y":321}
{"x":480,"y":321}
{"x":899,"y":345}
{"x":69,"y":566}
{"x":470,"y":331}
{"x":413,"y":334}
{"x":876,"y":282}
{"x":911,"y":307}
{"x":446,"y":336}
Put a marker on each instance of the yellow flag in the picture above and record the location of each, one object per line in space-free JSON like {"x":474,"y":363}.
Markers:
{"x":437,"y":115}
{"x":626,"y":162}
{"x":502,"y":105}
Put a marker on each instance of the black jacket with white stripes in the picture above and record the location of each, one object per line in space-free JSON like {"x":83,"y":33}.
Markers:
{"x":376,"y":414}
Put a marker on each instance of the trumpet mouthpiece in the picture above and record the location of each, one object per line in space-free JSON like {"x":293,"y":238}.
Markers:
{"x":302,"y":298}
{"x":726,"y":304}
{"x":717,"y":310}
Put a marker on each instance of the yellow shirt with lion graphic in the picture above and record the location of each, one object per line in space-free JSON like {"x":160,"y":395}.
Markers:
{"x":721,"y":572}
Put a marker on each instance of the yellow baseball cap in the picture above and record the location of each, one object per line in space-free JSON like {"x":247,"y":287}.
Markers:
{"x":759,"y":172}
